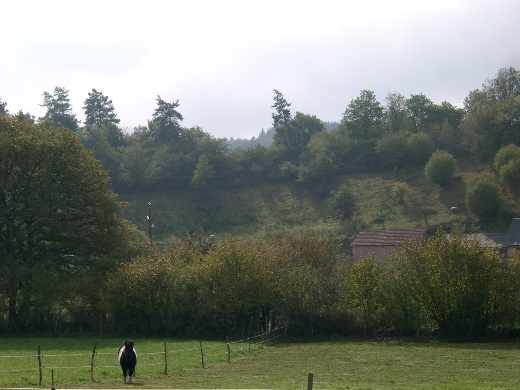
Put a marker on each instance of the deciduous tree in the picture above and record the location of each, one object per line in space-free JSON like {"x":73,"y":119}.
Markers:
{"x":57,"y":214}
{"x":363,"y":117}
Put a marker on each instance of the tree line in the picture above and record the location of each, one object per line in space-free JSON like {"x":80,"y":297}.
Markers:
{"x":300,"y":282}
{"x":70,"y":262}
{"x":371,"y":136}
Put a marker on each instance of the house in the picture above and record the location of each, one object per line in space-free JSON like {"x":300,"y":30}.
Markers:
{"x":506,"y":243}
{"x":383,"y":243}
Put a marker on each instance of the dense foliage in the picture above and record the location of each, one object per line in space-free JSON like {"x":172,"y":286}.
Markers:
{"x":61,"y":230}
{"x":400,"y":134}
{"x":303,"y":283}
{"x":440,"y":168}
{"x":59,"y":222}
{"x":483,"y":198}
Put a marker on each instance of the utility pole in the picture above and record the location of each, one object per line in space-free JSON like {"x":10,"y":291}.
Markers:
{"x":149,"y":222}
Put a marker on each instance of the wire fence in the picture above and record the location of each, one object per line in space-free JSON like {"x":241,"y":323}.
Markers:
{"x":203,"y":355}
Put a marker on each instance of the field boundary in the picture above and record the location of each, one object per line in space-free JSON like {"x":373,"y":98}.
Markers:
{"x":231,"y":350}
{"x":144,"y":388}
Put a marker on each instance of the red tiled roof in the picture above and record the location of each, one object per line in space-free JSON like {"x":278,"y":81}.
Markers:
{"x":391,"y":237}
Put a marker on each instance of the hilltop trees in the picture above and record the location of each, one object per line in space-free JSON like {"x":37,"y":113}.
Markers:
{"x":363,"y":117}
{"x":102,"y":134}
{"x":292,"y":134}
{"x":492,"y":117}
{"x":101,"y":118}
{"x":505,"y":85}
{"x":99,"y":110}
{"x":292,"y":137}
{"x":3,"y":107}
{"x":399,"y":135}
{"x":282,"y":110}
{"x":59,"y":110}
{"x":396,"y":113}
{"x":165,"y":124}
{"x":420,"y":109}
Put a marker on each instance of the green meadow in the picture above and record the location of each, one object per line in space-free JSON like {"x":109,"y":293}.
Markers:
{"x":339,"y":364}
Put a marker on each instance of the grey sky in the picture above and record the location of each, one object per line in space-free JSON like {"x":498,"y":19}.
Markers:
{"x":222,"y":59}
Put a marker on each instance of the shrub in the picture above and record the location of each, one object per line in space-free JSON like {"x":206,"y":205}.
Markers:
{"x":510,"y":175}
{"x":483,"y":199}
{"x":310,"y":271}
{"x":342,"y":202}
{"x":420,"y":148}
{"x":456,"y":283}
{"x":233,"y":287}
{"x":505,"y":155}
{"x":392,"y":150}
{"x":364,"y":284}
{"x":400,"y":312}
{"x":440,"y":168}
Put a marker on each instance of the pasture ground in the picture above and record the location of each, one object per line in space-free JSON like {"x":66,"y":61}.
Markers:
{"x":339,"y":364}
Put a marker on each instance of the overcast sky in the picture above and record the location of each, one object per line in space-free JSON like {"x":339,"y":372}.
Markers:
{"x":222,"y":59}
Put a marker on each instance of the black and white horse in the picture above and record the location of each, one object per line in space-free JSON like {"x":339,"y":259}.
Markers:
{"x":127,"y":359}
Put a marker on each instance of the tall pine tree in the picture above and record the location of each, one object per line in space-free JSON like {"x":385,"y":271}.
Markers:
{"x":165,"y":124}
{"x":3,"y":107}
{"x":59,"y":110}
{"x":282,"y":110}
{"x":99,"y":110}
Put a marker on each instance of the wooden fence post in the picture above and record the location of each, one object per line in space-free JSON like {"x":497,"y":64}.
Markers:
{"x":201,"y":355}
{"x":92,"y":363}
{"x":165,"y":360}
{"x":52,"y":379}
{"x":310,"y":381}
{"x":39,"y":366}
{"x":228,"y":353}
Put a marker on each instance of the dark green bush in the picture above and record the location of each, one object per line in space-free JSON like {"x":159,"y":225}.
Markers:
{"x":342,"y":202}
{"x":510,"y":175}
{"x":392,"y":150}
{"x":455,"y":283}
{"x":505,"y":155}
{"x":483,"y":199}
{"x":420,"y":148}
{"x":235,"y":287}
{"x":364,"y":291}
{"x":440,"y":168}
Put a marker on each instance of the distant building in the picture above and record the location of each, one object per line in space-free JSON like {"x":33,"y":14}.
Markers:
{"x":506,"y":243}
{"x":383,"y":243}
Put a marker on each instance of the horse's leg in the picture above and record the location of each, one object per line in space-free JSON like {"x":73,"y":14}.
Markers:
{"x":131,"y":372}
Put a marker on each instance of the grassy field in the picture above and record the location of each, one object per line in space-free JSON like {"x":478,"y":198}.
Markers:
{"x":275,"y":207}
{"x":341,"y":364}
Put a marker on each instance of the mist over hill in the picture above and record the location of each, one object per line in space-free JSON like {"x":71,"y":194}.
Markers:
{"x":265,"y":138}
